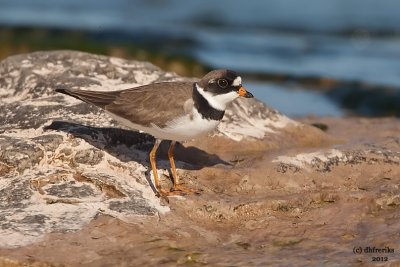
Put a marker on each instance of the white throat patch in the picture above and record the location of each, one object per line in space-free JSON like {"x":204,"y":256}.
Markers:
{"x":218,"y":102}
{"x":237,"y":81}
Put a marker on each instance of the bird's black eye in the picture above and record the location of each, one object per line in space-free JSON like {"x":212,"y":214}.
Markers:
{"x":222,"y":83}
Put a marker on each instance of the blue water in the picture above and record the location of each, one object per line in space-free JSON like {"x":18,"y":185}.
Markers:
{"x":348,"y":40}
{"x":294,"y":102}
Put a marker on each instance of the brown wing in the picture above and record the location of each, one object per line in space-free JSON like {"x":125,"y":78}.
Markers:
{"x":156,"y":103}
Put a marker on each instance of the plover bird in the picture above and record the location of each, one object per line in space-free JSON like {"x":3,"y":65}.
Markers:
{"x":175,"y":111}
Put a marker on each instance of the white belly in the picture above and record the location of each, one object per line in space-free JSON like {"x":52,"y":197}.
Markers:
{"x":181,"y":129}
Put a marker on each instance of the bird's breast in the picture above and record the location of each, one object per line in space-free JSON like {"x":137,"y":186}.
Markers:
{"x":190,"y":126}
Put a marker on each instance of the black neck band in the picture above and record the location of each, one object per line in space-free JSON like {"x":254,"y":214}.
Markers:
{"x":204,"y":108}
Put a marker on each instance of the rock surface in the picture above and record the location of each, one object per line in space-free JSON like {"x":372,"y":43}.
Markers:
{"x":274,"y":191}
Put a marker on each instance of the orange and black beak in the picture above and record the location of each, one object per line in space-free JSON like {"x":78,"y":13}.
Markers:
{"x":244,"y":93}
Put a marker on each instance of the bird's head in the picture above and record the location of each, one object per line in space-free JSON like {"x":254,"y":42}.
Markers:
{"x":220,"y":87}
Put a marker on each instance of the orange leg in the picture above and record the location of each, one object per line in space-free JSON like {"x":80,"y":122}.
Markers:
{"x":172,"y":162}
{"x":177,"y":187}
{"x":154,"y":167}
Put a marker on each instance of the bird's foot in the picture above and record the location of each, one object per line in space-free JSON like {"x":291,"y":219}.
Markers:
{"x":162,"y":193}
{"x":176,"y":190}
{"x":182,"y":190}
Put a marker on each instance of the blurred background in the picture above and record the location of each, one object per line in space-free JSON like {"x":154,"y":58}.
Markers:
{"x":303,"y":57}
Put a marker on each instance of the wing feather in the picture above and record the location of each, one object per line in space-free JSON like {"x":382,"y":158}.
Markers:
{"x":156,"y":103}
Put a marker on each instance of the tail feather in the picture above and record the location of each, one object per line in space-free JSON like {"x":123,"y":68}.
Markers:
{"x":97,"y":98}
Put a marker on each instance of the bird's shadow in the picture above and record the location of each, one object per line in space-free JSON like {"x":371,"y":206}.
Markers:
{"x":121,"y":143}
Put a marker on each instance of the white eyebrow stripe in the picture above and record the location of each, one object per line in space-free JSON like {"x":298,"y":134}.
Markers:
{"x":237,"y":81}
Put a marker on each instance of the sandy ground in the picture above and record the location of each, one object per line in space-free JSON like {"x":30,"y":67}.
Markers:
{"x":263,"y":210}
